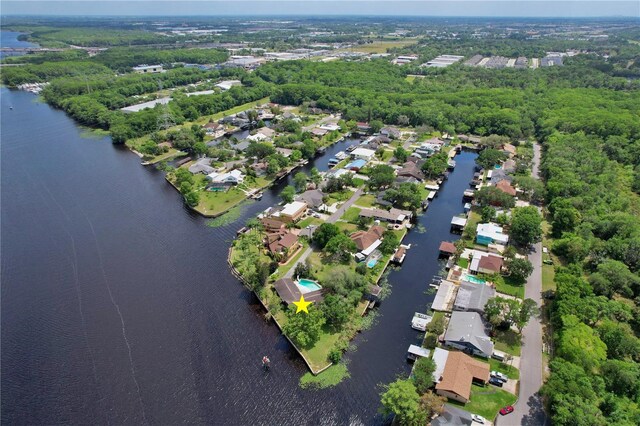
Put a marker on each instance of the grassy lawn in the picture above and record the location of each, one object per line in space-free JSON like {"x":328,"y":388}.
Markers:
{"x":352,"y":214}
{"x":381,"y":46}
{"x":328,"y":378}
{"x":172,"y":153}
{"x":508,"y":286}
{"x":486,"y":401}
{"x":368,"y":200}
{"x":345,"y":226}
{"x":309,"y":221}
{"x":507,"y":369}
{"x":472,"y":224}
{"x":212,"y":203}
{"x":339,"y":197}
{"x":464,"y":263}
{"x":548,"y":276}
{"x":507,"y":341}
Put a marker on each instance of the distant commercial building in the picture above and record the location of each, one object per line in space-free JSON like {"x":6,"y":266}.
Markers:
{"x":442,"y":61}
{"x":148,"y":69}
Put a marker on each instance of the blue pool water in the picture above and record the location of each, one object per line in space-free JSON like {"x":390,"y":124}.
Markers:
{"x":498,"y":166}
{"x":473,"y":279}
{"x":371,"y":263}
{"x":308,"y":285}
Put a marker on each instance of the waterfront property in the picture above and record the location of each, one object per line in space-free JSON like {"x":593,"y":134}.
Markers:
{"x":467,"y":332}
{"x":289,"y":291}
{"x":473,"y":297}
{"x":490,"y":233}
{"x":459,"y":373}
{"x":453,"y":416}
{"x":292,"y":212}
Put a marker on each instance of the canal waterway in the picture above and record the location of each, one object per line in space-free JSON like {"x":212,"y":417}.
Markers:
{"x":118,"y":306}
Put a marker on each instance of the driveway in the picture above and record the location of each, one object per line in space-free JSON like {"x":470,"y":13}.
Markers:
{"x":529,"y":410}
{"x":332,"y":219}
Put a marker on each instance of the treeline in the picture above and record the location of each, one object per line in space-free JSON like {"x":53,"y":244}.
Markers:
{"x":595,"y":374}
{"x":91,"y":36}
{"x":40,"y":73}
{"x":123,"y":58}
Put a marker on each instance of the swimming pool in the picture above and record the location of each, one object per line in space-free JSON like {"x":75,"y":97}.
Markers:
{"x":307,"y":286}
{"x":498,"y":167}
{"x":371,"y":263}
{"x":473,"y":279}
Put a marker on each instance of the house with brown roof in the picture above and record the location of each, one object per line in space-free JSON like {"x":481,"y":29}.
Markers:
{"x":272,"y":225}
{"x":509,"y":149}
{"x":410,"y":169}
{"x":490,"y":264}
{"x":460,"y":371}
{"x":365,"y":239}
{"x":290,"y":292}
{"x":282,"y":243}
{"x":506,"y":187}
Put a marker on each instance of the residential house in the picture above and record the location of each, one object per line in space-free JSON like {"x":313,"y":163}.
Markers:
{"x":214,"y":129}
{"x":460,"y":372}
{"x":486,"y":264}
{"x":466,"y":331}
{"x":314,"y":198}
{"x":285,"y":152}
{"x":490,"y":233}
{"x":410,"y":169}
{"x":356,"y":165}
{"x":363,"y":127}
{"x":293,"y":211}
{"x":367,"y":241}
{"x":497,"y":175}
{"x":506,"y":187}
{"x":330,"y":127}
{"x":202,"y":165}
{"x":390,"y":132}
{"x":453,"y":416}
{"x":233,"y":177}
{"x":472,"y":297}
{"x":290,"y":292}
{"x":363,"y":154}
{"x":282,"y":243}
{"x":509,"y":149}
{"x":260,"y":168}
{"x":393,"y":215}
{"x":272,"y":225}
{"x":319,"y":132}
{"x":241,"y":146}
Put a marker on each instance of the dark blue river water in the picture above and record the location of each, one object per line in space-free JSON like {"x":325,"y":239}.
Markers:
{"x":118,"y":306}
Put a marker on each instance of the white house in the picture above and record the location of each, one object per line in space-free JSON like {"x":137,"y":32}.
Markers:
{"x":330,"y":127}
{"x":363,"y":153}
{"x":490,"y":233}
{"x":233,"y":177}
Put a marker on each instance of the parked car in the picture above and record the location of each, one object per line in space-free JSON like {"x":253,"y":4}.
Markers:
{"x":477,"y":418}
{"x":496,"y":382}
{"x":500,"y":376}
{"x":506,"y":410}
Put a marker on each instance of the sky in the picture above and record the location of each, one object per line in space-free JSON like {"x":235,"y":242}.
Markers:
{"x":480,"y":8}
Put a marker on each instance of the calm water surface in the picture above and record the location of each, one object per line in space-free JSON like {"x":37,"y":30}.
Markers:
{"x":118,"y":306}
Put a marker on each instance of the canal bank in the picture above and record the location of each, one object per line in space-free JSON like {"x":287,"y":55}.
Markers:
{"x":117,"y":299}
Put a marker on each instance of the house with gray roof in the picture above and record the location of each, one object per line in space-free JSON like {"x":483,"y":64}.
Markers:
{"x":453,"y":416}
{"x":466,"y":332}
{"x":313,"y":198}
{"x":202,"y":165}
{"x":472,"y":297}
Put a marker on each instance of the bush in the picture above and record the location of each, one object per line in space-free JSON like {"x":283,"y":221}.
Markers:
{"x":430,"y":341}
{"x":335,"y":355}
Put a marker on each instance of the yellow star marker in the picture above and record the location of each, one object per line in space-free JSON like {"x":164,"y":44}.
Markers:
{"x":302,"y":305}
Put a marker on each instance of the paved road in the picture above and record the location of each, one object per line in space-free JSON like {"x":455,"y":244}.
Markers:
{"x":332,"y":219}
{"x":529,"y":410}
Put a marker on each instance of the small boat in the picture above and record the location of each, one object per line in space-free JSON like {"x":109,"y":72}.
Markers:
{"x":10,"y":107}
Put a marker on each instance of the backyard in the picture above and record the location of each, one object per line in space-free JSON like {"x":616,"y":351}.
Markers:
{"x":486,"y":401}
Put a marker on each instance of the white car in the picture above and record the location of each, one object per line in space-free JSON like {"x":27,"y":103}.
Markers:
{"x":499,"y":376}
{"x":477,"y":418}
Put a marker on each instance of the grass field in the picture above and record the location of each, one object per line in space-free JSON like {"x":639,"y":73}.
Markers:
{"x":486,"y":401}
{"x":506,"y":285}
{"x":368,"y":200}
{"x":351,"y":215}
{"x":381,"y":46}
{"x":508,"y":341}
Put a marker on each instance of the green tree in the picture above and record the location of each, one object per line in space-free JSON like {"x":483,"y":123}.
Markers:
{"x":423,"y":374}
{"x":519,"y":268}
{"x":435,"y":165}
{"x":389,"y":242}
{"x":315,"y":176}
{"x":302,"y":328}
{"x":192,"y":198}
{"x":401,"y":400}
{"x":523,"y":314}
{"x":622,"y":378}
{"x":324,"y":233}
{"x":526,"y":226}
{"x":381,"y":176}
{"x":432,"y":404}
{"x":300,"y":181}
{"x":336,"y":310}
{"x":339,"y":248}
{"x":490,"y":157}
{"x":579,"y":343}
{"x":376,"y":125}
{"x":404,"y":196}
{"x":492,"y":196}
{"x":288,"y":193}
{"x":487,"y":213}
{"x":401,"y":154}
